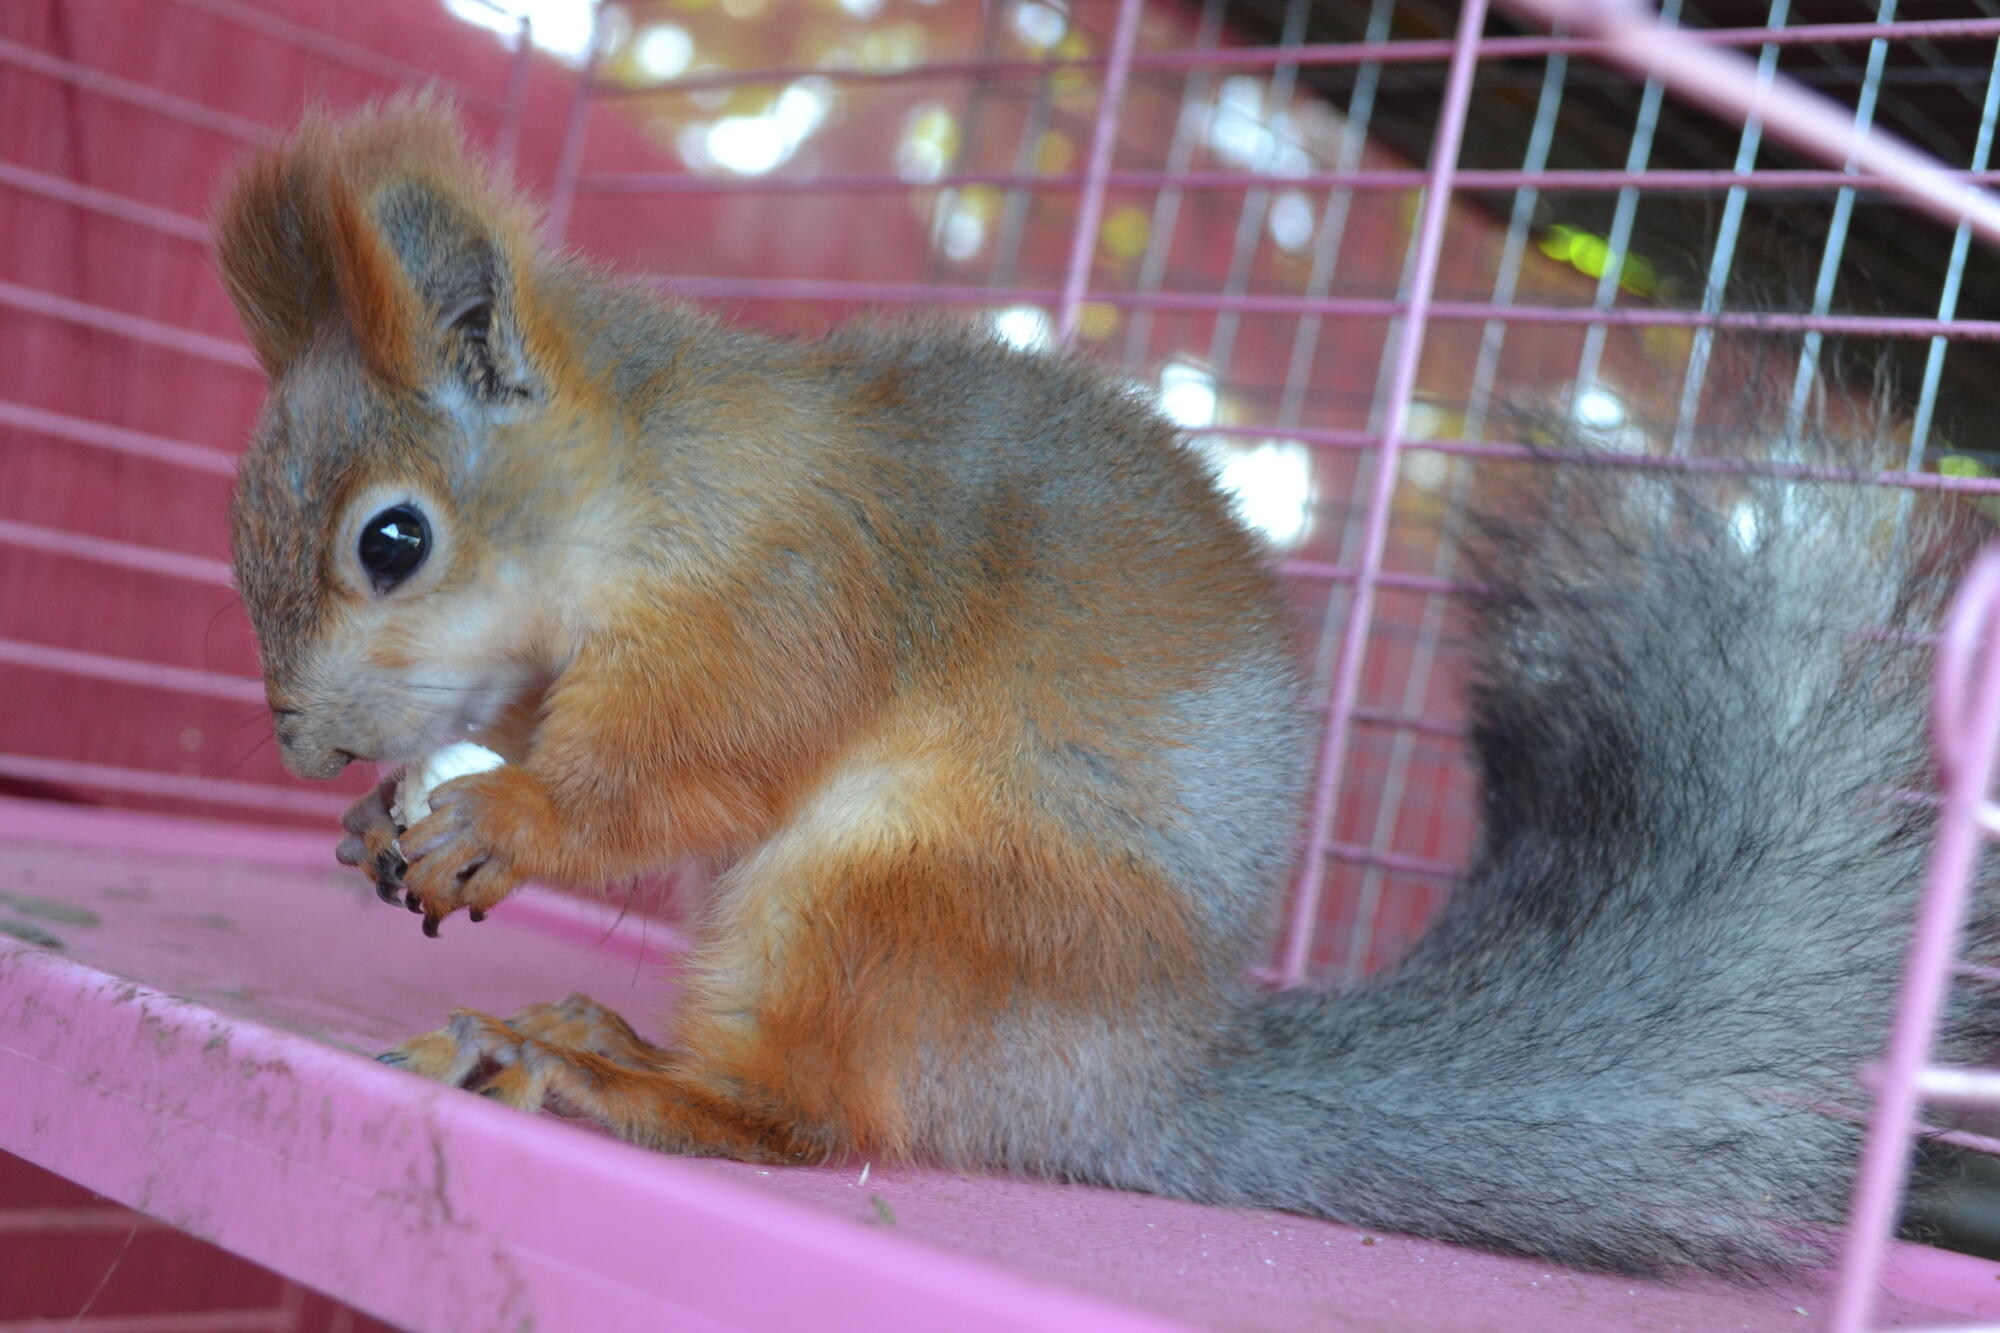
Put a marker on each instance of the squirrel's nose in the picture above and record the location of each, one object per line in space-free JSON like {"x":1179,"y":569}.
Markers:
{"x":314,"y":763}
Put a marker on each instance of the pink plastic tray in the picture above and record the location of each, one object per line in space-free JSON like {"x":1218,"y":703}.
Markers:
{"x":190,"y":1039}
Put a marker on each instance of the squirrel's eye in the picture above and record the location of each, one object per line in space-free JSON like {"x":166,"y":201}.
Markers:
{"x":393,"y":544}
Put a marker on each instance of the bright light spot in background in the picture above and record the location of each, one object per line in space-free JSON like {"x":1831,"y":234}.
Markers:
{"x":930,"y":139}
{"x":664,"y":52}
{"x":1605,"y":423}
{"x":746,"y":145}
{"x":1126,"y":231}
{"x":1598,"y":409}
{"x":1426,"y":469}
{"x":1423,"y":421}
{"x":1096,"y":320}
{"x":1291,"y":220}
{"x":753,"y":145}
{"x":1270,"y":483}
{"x":919,"y":161}
{"x":1038,"y":25}
{"x":862,"y":9}
{"x":1242,"y":131}
{"x":1590,"y":254}
{"x":560,"y":27}
{"x":961,"y":220}
{"x":960,"y":233}
{"x":1055,"y":153}
{"x":802,"y":107}
{"x":1024,"y":326}
{"x":898,"y":46}
{"x":1187,"y":394}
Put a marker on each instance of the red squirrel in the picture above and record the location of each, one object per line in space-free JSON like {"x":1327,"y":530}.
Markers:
{"x":957,"y":658}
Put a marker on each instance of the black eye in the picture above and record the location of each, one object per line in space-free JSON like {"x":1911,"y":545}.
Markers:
{"x":393,"y":544}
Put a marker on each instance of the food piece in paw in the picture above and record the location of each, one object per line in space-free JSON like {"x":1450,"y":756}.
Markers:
{"x":413,"y":793}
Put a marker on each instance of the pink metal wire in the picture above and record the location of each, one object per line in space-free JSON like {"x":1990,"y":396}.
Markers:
{"x":122,"y":555}
{"x":1966,"y":731}
{"x":150,"y":100}
{"x":1355,"y":441}
{"x":140,"y":444}
{"x":1759,"y":321}
{"x":172,"y":786}
{"x":1330,"y":573}
{"x":510,"y":107}
{"x":333,"y":49}
{"x":1103,"y":137}
{"x":1408,"y":865}
{"x":514,"y":101}
{"x":124,"y":671}
{"x":161,"y":220}
{"x":1967,"y":712}
{"x":1429,"y":244}
{"x":136,"y":327}
{"x":1578,"y":181}
{"x":569,"y":159}
{"x":1410,"y":51}
{"x":1728,"y":82}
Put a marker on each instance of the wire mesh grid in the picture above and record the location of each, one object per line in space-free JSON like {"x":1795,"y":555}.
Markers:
{"x":1350,"y":248}
{"x":1220,"y":196}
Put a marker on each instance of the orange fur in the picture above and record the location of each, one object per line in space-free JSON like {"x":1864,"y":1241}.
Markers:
{"x":741,"y":639}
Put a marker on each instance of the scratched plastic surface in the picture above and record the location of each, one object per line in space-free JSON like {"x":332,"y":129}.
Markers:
{"x":183,"y":1014}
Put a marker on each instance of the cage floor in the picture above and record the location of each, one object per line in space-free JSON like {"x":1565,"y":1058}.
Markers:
{"x":185,"y":1010}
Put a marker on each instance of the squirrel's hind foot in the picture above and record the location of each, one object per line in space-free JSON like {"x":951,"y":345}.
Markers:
{"x":577,"y":1058}
{"x":541,"y":1056}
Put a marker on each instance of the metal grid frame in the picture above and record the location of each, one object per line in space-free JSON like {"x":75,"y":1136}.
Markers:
{"x":1706,"y":67}
{"x":1711,"y":67}
{"x":506,"y":106}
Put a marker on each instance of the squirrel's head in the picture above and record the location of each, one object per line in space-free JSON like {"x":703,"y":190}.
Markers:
{"x":391,"y":518}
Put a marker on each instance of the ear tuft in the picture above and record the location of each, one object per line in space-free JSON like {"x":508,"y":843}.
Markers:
{"x":270,"y":244}
{"x":382,"y":223}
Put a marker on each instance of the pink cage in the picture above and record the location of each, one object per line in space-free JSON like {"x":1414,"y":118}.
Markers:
{"x":1337,"y":240}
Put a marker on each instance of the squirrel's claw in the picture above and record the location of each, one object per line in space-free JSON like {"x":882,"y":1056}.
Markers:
{"x":459,"y":855}
{"x":389,"y":868}
{"x":369,"y":843}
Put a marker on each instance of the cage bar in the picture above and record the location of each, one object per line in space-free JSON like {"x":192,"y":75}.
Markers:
{"x":1427,"y":244}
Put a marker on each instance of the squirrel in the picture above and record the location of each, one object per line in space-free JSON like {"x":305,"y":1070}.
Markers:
{"x":956,"y":656}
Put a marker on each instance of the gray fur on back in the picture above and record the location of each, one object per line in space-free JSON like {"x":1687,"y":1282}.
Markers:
{"x":1684,"y":926}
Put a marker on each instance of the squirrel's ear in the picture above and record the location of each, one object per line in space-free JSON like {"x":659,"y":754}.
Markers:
{"x":271,"y":245}
{"x":460,"y":262}
{"x":384,"y":224}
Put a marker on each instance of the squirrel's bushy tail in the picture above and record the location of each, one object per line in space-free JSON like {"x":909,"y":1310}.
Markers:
{"x":1685,"y":925}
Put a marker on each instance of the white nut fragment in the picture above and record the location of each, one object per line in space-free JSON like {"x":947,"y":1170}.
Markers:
{"x":413,"y":793}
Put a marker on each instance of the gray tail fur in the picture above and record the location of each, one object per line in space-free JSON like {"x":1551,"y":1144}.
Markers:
{"x":1684,"y":929}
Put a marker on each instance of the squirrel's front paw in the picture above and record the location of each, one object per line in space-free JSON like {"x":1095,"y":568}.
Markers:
{"x":470,"y":851}
{"x":370,"y":841}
